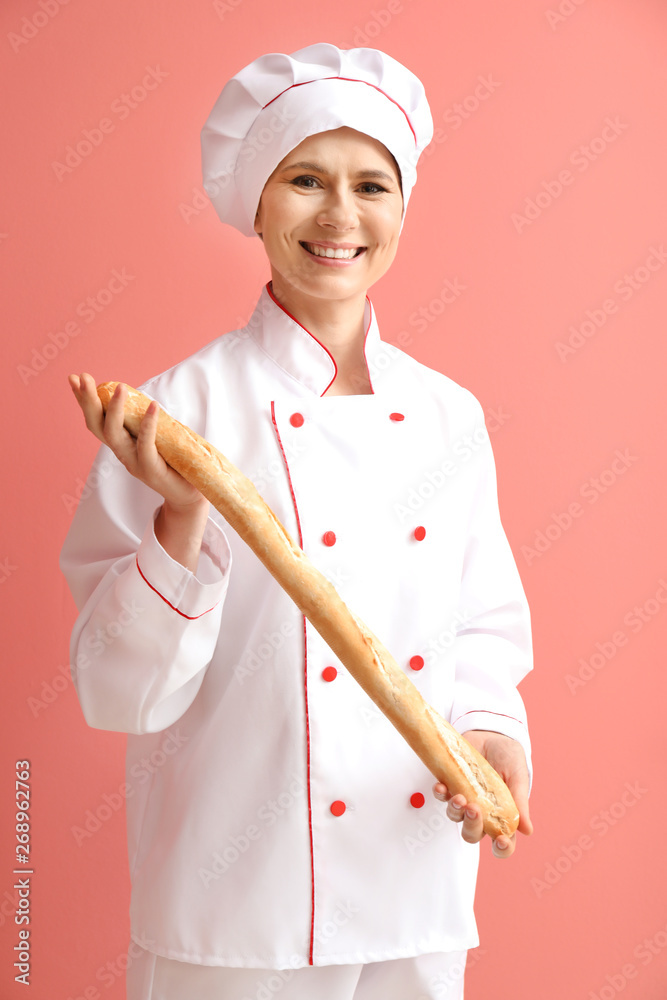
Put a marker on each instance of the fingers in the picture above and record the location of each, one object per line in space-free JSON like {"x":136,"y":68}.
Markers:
{"x":139,"y":455}
{"x":518,"y":783}
{"x":85,"y":393}
{"x":469,"y":815}
{"x":525,"y":822}
{"x":116,"y":436}
{"x":147,"y":453}
{"x":503,"y":847}
{"x":108,"y":428}
{"x":508,"y":758}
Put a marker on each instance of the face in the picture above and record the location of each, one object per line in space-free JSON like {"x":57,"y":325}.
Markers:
{"x":330,"y":217}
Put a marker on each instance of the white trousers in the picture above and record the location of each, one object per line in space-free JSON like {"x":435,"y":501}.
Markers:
{"x":426,"y":977}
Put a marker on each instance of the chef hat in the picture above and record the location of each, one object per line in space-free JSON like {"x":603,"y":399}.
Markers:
{"x":278,"y":100}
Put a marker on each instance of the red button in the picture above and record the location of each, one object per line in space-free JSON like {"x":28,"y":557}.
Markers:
{"x":329,"y":538}
{"x":420,"y":533}
{"x":337,"y":808}
{"x":296,"y":420}
{"x":329,"y":673}
{"x":417,"y":800}
{"x":396,"y":416}
{"x":416,"y":662}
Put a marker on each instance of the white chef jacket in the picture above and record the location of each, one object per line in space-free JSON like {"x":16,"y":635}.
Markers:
{"x":275,"y":817}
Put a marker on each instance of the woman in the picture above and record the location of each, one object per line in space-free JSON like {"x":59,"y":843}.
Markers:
{"x":282,"y":835}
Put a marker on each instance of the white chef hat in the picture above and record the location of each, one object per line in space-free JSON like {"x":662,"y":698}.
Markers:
{"x":278,"y":100}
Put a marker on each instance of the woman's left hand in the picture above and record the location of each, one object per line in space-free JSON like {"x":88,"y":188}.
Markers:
{"x":506,"y":756}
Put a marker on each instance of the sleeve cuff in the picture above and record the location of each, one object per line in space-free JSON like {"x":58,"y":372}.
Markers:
{"x":188,"y":594}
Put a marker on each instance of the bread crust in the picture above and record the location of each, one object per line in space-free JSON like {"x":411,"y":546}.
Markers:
{"x":449,"y":757}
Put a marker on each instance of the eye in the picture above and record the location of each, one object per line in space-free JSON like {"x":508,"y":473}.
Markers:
{"x":370,"y":187}
{"x":304,"y":180}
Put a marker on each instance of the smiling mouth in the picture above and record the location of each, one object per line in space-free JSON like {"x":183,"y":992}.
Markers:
{"x":339,"y":254}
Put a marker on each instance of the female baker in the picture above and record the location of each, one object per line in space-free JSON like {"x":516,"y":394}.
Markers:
{"x":283,"y":838}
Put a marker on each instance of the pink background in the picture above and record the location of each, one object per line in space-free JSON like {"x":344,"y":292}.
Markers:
{"x":580,"y":911}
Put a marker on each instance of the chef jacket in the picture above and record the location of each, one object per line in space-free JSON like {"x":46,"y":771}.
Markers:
{"x":275,"y":817}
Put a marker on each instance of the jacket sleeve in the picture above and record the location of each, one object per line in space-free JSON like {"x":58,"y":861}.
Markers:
{"x":147,"y":626}
{"x":493,"y":645}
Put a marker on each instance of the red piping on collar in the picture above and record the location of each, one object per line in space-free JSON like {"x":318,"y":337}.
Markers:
{"x":288,"y":313}
{"x":346,"y":79}
{"x":370,"y":320}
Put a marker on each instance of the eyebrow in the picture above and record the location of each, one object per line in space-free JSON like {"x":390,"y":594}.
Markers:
{"x":318,"y":168}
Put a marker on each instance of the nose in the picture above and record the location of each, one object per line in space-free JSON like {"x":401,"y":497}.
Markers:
{"x":339,"y":210}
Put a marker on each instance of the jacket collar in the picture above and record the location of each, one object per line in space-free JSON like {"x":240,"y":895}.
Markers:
{"x":294,"y":349}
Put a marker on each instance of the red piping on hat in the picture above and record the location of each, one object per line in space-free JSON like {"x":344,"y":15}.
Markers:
{"x":347,"y":79}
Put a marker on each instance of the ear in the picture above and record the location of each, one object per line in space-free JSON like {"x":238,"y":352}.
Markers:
{"x":258,"y":222}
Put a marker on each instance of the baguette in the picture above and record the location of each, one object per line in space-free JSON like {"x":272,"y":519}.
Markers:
{"x":442,"y":749}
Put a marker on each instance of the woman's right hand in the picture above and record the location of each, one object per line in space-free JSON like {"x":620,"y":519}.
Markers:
{"x":139,"y":455}
{"x":180,"y":524}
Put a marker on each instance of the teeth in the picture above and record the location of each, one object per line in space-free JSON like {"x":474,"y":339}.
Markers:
{"x":330,"y":252}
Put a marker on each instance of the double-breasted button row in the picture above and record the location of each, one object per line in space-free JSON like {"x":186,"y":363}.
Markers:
{"x":329,"y":537}
{"x":298,"y":419}
{"x":330,"y":673}
{"x":338,"y":808}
